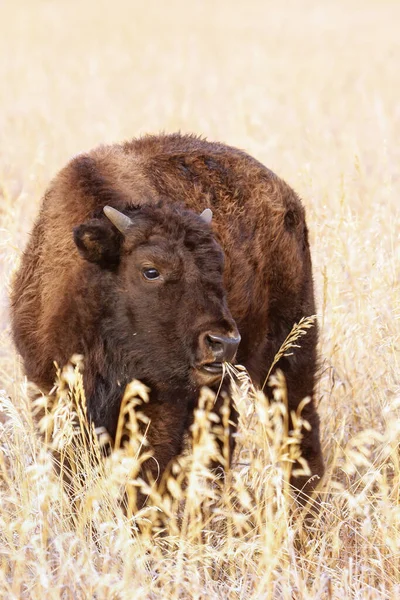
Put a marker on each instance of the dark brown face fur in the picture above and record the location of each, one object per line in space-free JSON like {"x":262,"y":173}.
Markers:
{"x":166,"y":292}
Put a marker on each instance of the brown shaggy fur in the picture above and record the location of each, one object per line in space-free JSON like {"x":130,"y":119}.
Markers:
{"x":79,"y":288}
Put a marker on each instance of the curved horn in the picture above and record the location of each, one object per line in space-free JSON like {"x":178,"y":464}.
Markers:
{"x":121,"y":221}
{"x":206,"y":215}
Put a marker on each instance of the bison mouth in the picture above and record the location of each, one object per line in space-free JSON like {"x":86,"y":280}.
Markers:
{"x":208,"y":373}
{"x":216,"y":368}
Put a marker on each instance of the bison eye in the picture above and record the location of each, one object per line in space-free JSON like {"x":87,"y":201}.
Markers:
{"x":150,"y":273}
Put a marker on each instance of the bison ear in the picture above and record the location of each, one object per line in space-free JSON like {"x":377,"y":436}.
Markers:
{"x":98,"y":242}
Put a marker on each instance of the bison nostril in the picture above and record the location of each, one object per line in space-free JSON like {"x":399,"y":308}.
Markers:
{"x":223,"y":347}
{"x":217,"y":348}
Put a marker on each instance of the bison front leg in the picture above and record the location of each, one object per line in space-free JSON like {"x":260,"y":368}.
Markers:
{"x":226,"y":428}
{"x":165,"y":436}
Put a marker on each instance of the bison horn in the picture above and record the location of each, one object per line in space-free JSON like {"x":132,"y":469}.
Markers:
{"x":206,"y":215}
{"x":121,"y":221}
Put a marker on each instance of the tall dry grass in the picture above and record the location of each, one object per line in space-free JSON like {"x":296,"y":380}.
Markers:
{"x":311,"y":89}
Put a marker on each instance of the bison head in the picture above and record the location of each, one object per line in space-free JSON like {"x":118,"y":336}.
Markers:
{"x":159,"y":272}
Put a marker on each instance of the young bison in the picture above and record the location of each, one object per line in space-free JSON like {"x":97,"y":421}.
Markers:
{"x":125,"y":266}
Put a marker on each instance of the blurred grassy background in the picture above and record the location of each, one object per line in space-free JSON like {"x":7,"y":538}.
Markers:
{"x":309,"y":87}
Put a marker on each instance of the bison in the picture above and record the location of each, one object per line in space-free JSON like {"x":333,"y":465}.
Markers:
{"x":126,"y":267}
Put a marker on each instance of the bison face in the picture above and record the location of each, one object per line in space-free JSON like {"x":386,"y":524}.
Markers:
{"x":167,"y":293}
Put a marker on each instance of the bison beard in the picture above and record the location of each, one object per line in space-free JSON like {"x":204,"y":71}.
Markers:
{"x":125,"y":267}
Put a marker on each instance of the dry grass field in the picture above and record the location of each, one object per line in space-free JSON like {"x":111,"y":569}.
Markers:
{"x":310,"y":88}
